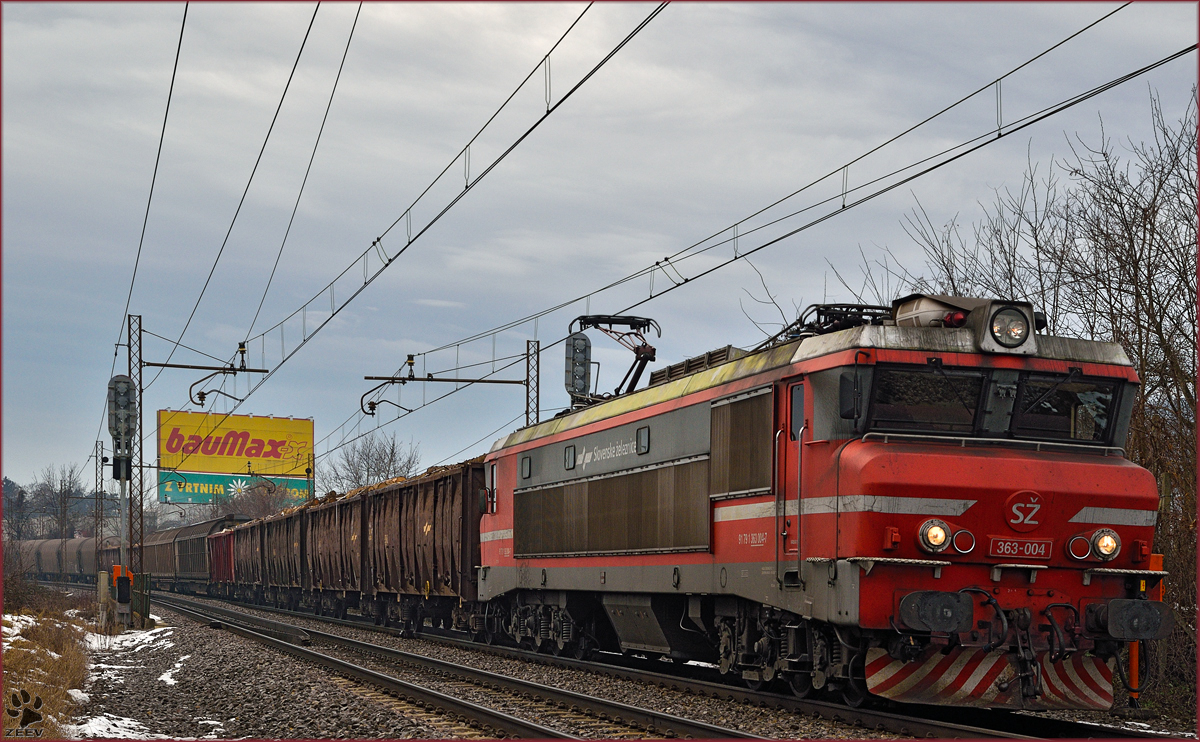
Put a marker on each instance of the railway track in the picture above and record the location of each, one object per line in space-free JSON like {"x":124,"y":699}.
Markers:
{"x":936,"y":721}
{"x":598,"y":718}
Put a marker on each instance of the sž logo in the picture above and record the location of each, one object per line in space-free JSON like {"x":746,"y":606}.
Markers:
{"x":1024,"y":510}
{"x":236,"y":443}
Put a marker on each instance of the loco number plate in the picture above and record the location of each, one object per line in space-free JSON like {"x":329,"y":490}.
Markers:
{"x":1025,"y":548}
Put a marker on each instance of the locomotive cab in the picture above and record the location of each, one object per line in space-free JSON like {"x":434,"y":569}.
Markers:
{"x":988,"y":506}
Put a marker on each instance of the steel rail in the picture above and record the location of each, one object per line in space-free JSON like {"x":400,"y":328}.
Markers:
{"x":648,"y":720}
{"x":863,"y":718}
{"x":941,"y":722}
{"x":495,"y":720}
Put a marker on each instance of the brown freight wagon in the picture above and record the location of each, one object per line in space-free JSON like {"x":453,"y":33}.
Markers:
{"x":285,"y":550}
{"x":248,"y":567}
{"x":422,"y":546}
{"x":334,"y":553}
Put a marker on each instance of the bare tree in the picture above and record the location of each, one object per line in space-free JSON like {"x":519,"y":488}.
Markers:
{"x":258,"y":501}
{"x":369,"y":460}
{"x":52,"y":511}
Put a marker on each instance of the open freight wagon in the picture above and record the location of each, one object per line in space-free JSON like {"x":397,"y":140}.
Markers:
{"x":399,"y":552}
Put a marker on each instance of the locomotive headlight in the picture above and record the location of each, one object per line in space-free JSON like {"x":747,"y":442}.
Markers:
{"x":1106,"y":544}
{"x":935,"y":535}
{"x":1009,"y":327}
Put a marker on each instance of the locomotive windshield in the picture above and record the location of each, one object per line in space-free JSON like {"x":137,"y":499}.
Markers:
{"x":926,"y":399}
{"x":1060,"y":407}
{"x":992,"y":403}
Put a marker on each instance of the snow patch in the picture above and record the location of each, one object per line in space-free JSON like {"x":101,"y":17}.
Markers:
{"x":14,"y":624}
{"x":78,"y":696}
{"x":166,"y":676}
{"x":129,"y":640}
{"x":110,"y":726}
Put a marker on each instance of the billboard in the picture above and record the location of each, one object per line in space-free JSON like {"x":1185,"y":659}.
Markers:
{"x":205,"y":455}
{"x":195,"y":488}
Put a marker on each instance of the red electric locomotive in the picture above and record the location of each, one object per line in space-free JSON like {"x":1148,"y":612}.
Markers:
{"x":926,"y":502}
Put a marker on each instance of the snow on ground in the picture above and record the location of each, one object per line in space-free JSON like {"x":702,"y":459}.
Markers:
{"x":166,"y":676}
{"x":130,"y":640}
{"x":14,"y":624}
{"x":108,"y":726}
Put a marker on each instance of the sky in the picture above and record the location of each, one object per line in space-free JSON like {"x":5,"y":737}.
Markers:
{"x":704,"y":117}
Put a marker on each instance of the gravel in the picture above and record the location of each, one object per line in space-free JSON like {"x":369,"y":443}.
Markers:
{"x":766,"y":722}
{"x":226,"y":686}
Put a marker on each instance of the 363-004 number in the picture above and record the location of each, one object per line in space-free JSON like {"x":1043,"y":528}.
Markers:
{"x":1021,"y":547}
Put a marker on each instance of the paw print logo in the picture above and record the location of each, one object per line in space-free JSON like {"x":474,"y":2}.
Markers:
{"x":25,"y":706}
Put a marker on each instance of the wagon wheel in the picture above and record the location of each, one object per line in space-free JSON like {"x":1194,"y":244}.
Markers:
{"x":756,"y":684}
{"x":581,"y":650}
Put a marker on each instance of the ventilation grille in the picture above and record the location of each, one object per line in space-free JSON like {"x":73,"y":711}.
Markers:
{"x":692,"y":365}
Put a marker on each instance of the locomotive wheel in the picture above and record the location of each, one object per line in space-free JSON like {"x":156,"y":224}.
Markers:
{"x":755,"y":684}
{"x":801,"y":684}
{"x":855,"y":693}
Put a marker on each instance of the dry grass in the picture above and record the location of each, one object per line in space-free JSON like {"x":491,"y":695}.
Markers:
{"x":44,"y":654}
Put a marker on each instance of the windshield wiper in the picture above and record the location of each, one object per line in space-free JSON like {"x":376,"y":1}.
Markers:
{"x":1071,"y":373}
{"x":937,"y":363}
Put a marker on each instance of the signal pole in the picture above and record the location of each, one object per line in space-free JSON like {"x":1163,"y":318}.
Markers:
{"x":98,"y":493}
{"x":136,"y":481}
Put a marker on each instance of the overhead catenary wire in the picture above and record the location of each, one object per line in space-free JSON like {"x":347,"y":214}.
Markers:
{"x":693,"y":248}
{"x":304,"y":341}
{"x":649,"y":270}
{"x":405,"y":216}
{"x":185,"y":347}
{"x":976,"y":143}
{"x":162,"y":134}
{"x":245,"y":191}
{"x":844,"y":168}
{"x":474,"y":181}
{"x":307,"y":170}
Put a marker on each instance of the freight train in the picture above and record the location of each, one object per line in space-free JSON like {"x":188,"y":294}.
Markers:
{"x":927,"y":503}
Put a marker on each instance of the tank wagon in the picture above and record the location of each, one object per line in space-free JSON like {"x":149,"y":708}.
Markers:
{"x":926,"y":502}
{"x":399,"y":552}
